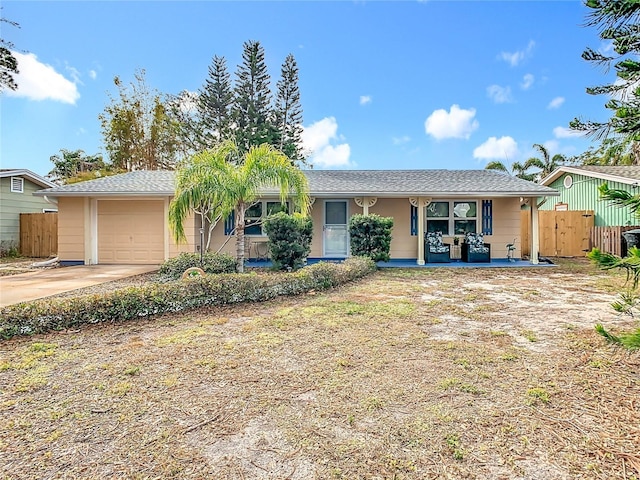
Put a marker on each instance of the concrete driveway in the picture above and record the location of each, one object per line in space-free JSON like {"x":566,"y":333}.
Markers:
{"x":43,"y":283}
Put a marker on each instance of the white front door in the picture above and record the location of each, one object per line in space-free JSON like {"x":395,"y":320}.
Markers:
{"x":336,"y":235}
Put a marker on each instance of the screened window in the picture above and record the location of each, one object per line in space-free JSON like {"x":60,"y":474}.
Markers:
{"x":452,"y":217}
{"x":256,"y":213}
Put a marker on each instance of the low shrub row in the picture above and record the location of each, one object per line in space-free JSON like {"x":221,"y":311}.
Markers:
{"x":175,"y":296}
{"x":173,"y":268}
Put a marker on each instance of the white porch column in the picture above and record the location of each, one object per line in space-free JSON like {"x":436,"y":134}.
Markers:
{"x":535,"y":232}
{"x":365,"y":205}
{"x":421,"y":215}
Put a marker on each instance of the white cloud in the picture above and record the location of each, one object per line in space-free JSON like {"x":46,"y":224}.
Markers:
{"x":93,"y":74}
{"x":514,"y":58}
{"x":497,"y":148}
{"x":317,"y":139}
{"x":457,"y":123}
{"x":39,"y":81}
{"x":499,"y":94}
{"x":555,"y":103}
{"x":401,"y":140}
{"x":527,"y":81}
{"x":365,"y":99}
{"x":566,"y":132}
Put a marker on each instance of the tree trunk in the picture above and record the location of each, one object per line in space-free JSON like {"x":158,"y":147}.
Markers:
{"x":240,"y":209}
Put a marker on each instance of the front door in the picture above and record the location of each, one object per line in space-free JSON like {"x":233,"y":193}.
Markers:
{"x":336,"y":236}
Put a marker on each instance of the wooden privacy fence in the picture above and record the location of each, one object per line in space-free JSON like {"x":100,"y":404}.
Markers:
{"x":610,"y":240}
{"x":561,"y":234}
{"x":38,"y":234}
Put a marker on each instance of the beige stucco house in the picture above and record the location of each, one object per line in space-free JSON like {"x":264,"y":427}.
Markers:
{"x":124,"y":218}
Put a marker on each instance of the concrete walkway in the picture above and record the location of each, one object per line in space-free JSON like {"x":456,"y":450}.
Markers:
{"x":43,"y":283}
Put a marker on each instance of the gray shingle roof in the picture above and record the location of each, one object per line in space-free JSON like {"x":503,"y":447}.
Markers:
{"x":618,"y":173}
{"x":332,"y":183}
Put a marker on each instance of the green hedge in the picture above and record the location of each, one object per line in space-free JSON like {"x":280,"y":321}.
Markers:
{"x":289,"y":239}
{"x":176,"y":296}
{"x":173,"y":268}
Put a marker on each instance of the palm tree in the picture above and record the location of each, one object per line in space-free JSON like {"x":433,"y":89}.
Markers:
{"x":209,"y":180}
{"x":546,"y":164}
{"x":517,"y":170}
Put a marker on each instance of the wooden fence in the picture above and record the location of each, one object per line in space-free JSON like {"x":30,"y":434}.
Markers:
{"x":561,"y":233}
{"x":610,"y":240}
{"x":38,"y":234}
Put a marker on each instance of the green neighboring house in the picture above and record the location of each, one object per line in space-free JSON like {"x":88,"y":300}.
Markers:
{"x":578,"y":187}
{"x":16,"y":197}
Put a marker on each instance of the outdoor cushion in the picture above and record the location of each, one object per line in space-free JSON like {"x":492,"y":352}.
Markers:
{"x":476,"y":243}
{"x":434,"y":240}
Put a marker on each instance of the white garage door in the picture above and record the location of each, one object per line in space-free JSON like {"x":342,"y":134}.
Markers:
{"x":130,"y":231}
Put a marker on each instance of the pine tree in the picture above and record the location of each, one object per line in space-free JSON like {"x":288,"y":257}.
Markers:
{"x":214,"y":105}
{"x":252,"y":103}
{"x":288,"y":112}
{"x":617,"y":21}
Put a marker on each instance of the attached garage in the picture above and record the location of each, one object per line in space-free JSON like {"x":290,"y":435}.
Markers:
{"x":130,"y":232}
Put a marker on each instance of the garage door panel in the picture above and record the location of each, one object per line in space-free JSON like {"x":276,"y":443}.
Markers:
{"x":130,"y":232}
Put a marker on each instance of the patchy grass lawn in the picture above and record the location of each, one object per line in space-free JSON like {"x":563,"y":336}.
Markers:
{"x":408,"y":374}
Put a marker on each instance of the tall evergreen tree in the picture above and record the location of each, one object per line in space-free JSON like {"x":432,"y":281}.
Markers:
{"x":288,"y":112}
{"x":214,"y":104}
{"x":8,"y":62}
{"x":252,"y":103}
{"x":617,"y":21}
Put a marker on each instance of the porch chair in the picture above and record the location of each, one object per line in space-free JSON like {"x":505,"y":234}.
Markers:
{"x":434,"y":250}
{"x":474,"y":249}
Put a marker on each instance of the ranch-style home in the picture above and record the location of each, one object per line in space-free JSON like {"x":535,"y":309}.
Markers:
{"x":123,"y":219}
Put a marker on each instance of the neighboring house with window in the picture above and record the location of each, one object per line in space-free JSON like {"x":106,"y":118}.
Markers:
{"x":16,"y":197}
{"x":123,"y":218}
{"x":578,"y":188}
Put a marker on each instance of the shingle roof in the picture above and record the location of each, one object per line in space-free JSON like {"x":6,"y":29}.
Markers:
{"x":619,"y":173}
{"x":23,"y":172}
{"x":332,"y":182}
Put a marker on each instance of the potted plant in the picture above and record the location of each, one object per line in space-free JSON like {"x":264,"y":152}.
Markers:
{"x":456,"y":240}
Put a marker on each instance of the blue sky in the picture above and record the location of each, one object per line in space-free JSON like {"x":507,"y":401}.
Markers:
{"x":384,"y":84}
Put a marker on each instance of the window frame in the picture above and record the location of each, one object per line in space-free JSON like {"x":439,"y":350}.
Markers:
{"x":21,"y":180}
{"x":452,"y":218}
{"x":264,"y":209}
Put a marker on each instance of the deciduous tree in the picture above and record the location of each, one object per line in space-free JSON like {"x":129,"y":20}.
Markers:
{"x":137,"y":131}
{"x":8,"y":62}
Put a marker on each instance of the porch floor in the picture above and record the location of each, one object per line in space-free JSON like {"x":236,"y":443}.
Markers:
{"x":411,"y":263}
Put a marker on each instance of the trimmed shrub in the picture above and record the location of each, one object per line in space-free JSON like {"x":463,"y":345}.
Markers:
{"x":371,"y":236}
{"x":139,"y":302}
{"x":173,"y":268}
{"x":289,"y":239}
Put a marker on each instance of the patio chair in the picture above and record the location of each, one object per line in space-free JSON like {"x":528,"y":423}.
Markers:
{"x":434,"y":250}
{"x":474,"y":249}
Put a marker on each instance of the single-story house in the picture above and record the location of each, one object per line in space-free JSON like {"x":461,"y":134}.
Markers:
{"x":124,"y":218}
{"x":16,"y":196}
{"x":578,"y":189}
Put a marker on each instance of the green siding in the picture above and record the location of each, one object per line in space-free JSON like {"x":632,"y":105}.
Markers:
{"x":583,"y":195}
{"x":13,"y":204}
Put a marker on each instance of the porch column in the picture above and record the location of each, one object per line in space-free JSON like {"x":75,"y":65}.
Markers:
{"x":365,"y":203}
{"x":421,"y":215}
{"x":535,"y":232}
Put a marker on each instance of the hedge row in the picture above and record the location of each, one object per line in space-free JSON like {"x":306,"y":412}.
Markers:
{"x":173,"y":268}
{"x":139,"y":302}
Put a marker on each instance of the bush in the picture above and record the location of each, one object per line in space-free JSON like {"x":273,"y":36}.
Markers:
{"x":289,"y":239}
{"x":139,"y":302}
{"x":173,"y":268}
{"x":371,"y":236}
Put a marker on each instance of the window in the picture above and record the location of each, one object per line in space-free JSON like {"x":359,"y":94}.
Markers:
{"x":17,"y":184}
{"x":256,"y":213}
{"x":452,"y":217}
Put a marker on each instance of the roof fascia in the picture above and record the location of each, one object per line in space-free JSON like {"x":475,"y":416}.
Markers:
{"x":34,"y":177}
{"x":587,"y":173}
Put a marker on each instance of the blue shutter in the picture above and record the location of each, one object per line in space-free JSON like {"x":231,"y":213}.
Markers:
{"x":487,"y":217}
{"x":414,"y":220}
{"x":229,"y":223}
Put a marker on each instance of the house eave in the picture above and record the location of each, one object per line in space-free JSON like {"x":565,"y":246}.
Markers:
{"x":553,"y":176}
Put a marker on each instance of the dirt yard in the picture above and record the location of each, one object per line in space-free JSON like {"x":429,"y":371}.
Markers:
{"x":407,"y":374}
